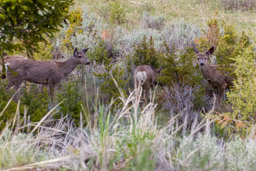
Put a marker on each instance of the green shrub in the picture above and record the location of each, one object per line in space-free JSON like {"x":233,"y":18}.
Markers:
{"x":10,"y":111}
{"x":36,"y":102}
{"x":99,"y":53}
{"x":71,"y":106}
{"x":229,"y":47}
{"x":242,"y":95}
{"x":178,"y":68}
{"x":146,"y":54}
{"x":117,"y":13}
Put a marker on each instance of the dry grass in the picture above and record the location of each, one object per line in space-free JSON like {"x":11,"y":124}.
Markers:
{"x":127,"y":139}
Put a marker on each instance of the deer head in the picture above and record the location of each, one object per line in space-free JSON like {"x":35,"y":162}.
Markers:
{"x":202,"y":58}
{"x":79,"y":56}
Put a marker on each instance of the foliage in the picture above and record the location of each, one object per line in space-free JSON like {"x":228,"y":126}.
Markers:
{"x":128,"y":41}
{"x":26,"y":23}
{"x":180,"y":34}
{"x":36,"y":102}
{"x":10,"y":110}
{"x":146,"y":54}
{"x":18,"y":150}
{"x":92,"y":28}
{"x":99,"y":53}
{"x":71,"y":105}
{"x":44,"y":51}
{"x":112,"y":72}
{"x":75,"y":21}
{"x":117,"y":13}
{"x":153,"y":22}
{"x":230,"y":46}
{"x":242,"y":95}
{"x":179,"y":69}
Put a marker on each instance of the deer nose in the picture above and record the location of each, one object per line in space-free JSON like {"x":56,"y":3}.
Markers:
{"x":202,"y":64}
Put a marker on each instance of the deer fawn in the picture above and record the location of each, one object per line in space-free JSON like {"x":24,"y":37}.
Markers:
{"x":145,"y":76}
{"x":214,"y":77}
{"x":43,"y":72}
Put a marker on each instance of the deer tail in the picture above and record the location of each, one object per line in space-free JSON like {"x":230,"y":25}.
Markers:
{"x":4,"y":72}
{"x":141,"y":77}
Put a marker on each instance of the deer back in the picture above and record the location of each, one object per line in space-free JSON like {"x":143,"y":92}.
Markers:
{"x":41,"y":72}
{"x":145,"y":75}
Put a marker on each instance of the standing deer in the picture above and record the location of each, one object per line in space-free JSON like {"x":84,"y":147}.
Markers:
{"x":43,"y":72}
{"x":216,"y":78}
{"x":145,"y":76}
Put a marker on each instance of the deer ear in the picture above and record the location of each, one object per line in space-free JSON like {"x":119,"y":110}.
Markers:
{"x":85,"y":50}
{"x":75,"y":53}
{"x":159,"y":70}
{"x":195,"y":49}
{"x":210,"y":51}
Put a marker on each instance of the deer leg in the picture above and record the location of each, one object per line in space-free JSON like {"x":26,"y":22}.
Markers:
{"x":221,"y":91}
{"x":146,"y":94}
{"x":51,"y":87}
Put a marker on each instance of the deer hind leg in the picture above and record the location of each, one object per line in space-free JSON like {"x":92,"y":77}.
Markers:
{"x":146,"y":94}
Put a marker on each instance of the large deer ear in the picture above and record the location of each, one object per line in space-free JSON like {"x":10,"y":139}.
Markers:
{"x":195,"y":49}
{"x":75,"y":53}
{"x":159,"y":70}
{"x":210,"y":51}
{"x":85,"y":50}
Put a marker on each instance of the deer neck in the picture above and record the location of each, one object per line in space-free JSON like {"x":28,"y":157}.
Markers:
{"x":67,"y":66}
{"x":206,"y":71}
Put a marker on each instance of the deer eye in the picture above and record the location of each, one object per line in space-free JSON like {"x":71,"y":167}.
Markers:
{"x":205,"y":58}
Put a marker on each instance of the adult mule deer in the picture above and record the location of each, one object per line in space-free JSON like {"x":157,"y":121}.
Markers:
{"x":146,"y":77}
{"x":215,"y":77}
{"x":44,"y":72}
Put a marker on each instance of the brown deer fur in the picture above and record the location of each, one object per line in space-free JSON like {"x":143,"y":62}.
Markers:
{"x":145,"y":76}
{"x":216,"y":78}
{"x":43,"y":72}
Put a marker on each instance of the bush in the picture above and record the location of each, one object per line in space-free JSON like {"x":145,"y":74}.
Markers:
{"x":36,"y":102}
{"x":244,"y":5}
{"x":92,"y":28}
{"x":146,"y":54}
{"x":127,"y":42}
{"x":242,"y":96}
{"x":72,"y":100}
{"x":180,"y":73}
{"x":117,"y":13}
{"x":112,"y":72}
{"x":180,"y":34}
{"x":10,"y":111}
{"x":153,"y":22}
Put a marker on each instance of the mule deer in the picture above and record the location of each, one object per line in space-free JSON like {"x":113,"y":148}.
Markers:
{"x":43,"y":72}
{"x":215,"y":77}
{"x":145,"y":76}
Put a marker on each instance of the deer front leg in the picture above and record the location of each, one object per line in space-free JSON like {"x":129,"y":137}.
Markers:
{"x":221,"y":91}
{"x":16,"y":87}
{"x":52,"y":87}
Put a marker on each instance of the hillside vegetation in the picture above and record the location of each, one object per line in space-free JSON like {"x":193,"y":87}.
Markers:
{"x":100,"y":122}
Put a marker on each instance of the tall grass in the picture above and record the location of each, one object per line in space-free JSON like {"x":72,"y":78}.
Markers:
{"x":127,"y":138}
